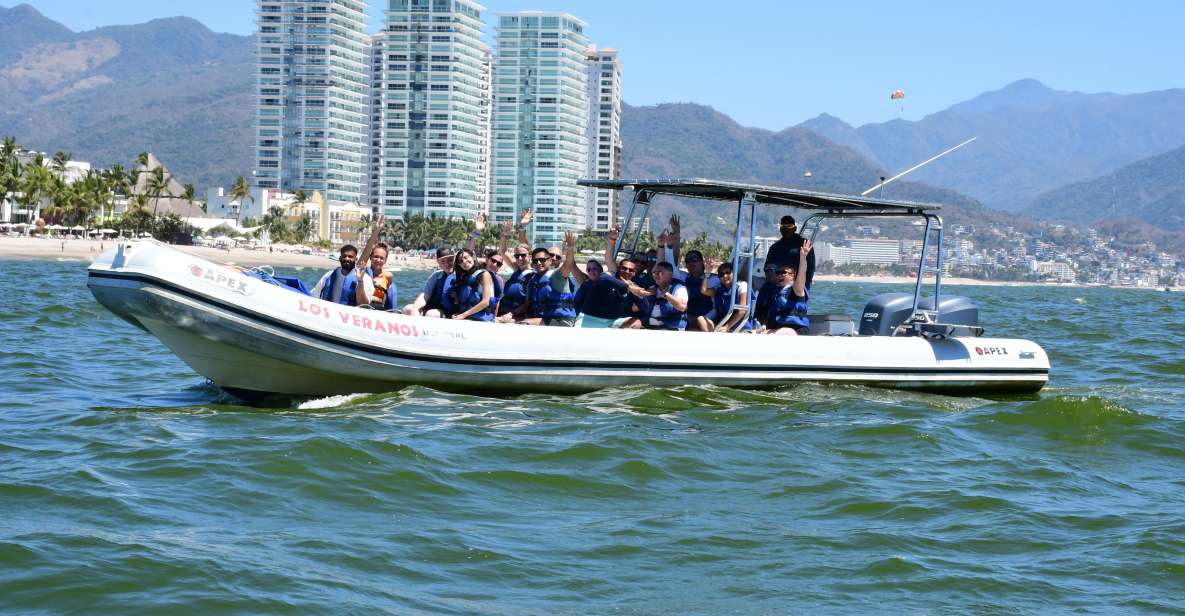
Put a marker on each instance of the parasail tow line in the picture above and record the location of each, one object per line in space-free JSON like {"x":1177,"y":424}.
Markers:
{"x":917,"y":166}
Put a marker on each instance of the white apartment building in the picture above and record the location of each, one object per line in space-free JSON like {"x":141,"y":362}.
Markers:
{"x":311,"y":111}
{"x":604,"y":136}
{"x":540,"y":119}
{"x":430,"y":110}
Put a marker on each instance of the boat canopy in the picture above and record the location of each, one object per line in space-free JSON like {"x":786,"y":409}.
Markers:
{"x":748,"y":196}
{"x":700,"y":188}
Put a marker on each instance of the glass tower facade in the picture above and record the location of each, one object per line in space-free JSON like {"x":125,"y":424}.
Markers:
{"x":312,"y":97}
{"x":430,"y":110}
{"x":540,"y":122}
{"x":604,"y":135}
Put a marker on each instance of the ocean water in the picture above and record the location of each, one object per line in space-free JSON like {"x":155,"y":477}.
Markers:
{"x":129,"y":485}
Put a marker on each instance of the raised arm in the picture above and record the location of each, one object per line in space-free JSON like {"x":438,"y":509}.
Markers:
{"x":800,"y":277}
{"x":704,"y":288}
{"x":524,"y":220}
{"x":610,"y":252}
{"x":569,"y":267}
{"x":675,"y":238}
{"x":479,"y":225}
{"x":504,"y":242}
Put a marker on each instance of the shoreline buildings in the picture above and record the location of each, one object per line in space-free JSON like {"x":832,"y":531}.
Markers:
{"x":430,"y":111}
{"x":540,"y":120}
{"x":604,"y":136}
{"x":311,"y":114}
{"x":423,"y":119}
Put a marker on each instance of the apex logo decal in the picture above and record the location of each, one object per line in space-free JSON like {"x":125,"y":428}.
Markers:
{"x":991,"y":351}
{"x":236,"y":283}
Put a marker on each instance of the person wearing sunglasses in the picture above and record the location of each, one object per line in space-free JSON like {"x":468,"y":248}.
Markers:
{"x":665,"y":304}
{"x":431,"y":302}
{"x":551,"y":296}
{"x":519,"y":260}
{"x":787,"y":313}
{"x":601,"y":298}
{"x":786,"y":249}
{"x":764,"y":294}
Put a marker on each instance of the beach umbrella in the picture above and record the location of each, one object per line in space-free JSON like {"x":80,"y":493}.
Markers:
{"x":109,"y":231}
{"x":78,"y":228}
{"x":145,"y":234}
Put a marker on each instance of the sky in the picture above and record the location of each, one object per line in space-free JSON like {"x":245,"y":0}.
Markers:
{"x":773,"y":64}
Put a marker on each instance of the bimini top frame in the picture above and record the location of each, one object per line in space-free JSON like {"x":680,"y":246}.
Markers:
{"x":824,"y":205}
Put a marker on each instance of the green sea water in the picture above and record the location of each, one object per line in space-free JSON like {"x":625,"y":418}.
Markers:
{"x":130,"y":485}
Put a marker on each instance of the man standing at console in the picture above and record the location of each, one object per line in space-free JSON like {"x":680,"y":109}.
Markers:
{"x":785,"y":250}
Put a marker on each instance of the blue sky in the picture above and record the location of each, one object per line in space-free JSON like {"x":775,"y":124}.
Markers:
{"x":774,"y":64}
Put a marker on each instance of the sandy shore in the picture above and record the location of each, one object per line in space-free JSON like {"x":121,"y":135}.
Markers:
{"x":88,"y":250}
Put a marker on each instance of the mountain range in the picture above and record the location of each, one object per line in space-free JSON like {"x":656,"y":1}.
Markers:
{"x":1031,"y":139}
{"x":173,"y":87}
{"x":170,"y":86}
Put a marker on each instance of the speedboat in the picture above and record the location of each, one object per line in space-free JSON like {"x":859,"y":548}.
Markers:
{"x":253,"y":338}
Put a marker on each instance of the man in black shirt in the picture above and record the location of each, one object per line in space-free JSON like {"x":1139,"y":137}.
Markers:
{"x":785,"y":250}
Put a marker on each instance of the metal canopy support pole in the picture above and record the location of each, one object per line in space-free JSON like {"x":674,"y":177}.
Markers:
{"x":917,"y":289}
{"x":644,"y":199}
{"x":629,"y":219}
{"x":736,"y":251}
{"x":752,"y":199}
{"x":938,"y":272}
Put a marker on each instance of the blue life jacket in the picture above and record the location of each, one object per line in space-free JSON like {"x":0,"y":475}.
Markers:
{"x":698,"y":304}
{"x":499,"y":289}
{"x":762,"y":301}
{"x":552,"y":304}
{"x":292,"y":283}
{"x":722,"y":302}
{"x":447,"y":306}
{"x":388,"y":301}
{"x":349,"y":286}
{"x":515,"y":291}
{"x":787,"y":310}
{"x":435,"y":299}
{"x":469,"y":294}
{"x":667,"y":314}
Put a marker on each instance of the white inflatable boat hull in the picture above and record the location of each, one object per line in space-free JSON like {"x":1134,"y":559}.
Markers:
{"x":248,"y":336}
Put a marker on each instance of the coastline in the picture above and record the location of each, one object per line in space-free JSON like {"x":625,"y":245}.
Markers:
{"x":85,"y":250}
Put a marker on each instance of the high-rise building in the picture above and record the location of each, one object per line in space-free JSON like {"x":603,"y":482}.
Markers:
{"x":540,"y":119}
{"x":430,"y":110}
{"x":311,"y":112}
{"x":604,"y":135}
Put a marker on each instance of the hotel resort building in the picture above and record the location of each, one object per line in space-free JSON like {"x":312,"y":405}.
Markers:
{"x":312,"y":80}
{"x":429,"y":150}
{"x":540,"y":120}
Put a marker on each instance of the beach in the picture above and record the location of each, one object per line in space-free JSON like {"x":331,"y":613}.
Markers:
{"x":36,"y":248}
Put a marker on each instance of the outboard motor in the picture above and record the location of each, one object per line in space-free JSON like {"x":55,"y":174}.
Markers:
{"x":883,"y":313}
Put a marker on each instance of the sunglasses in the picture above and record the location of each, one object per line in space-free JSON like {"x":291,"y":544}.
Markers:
{"x":652,"y":259}
{"x":520,"y":255}
{"x":497,"y":262}
{"x":555,"y":256}
{"x":540,"y":260}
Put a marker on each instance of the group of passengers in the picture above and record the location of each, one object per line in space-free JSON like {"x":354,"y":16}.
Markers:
{"x":546,"y":287}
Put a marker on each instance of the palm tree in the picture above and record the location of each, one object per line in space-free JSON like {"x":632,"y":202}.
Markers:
{"x":36,"y":182}
{"x":158,"y":186}
{"x":60,"y":159}
{"x":304,"y":228}
{"x":238,"y":192}
{"x":10,"y":169}
{"x":299,"y":199}
{"x":189,"y":194}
